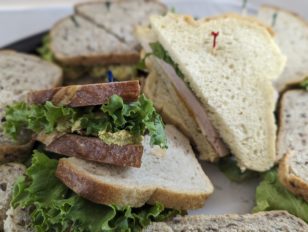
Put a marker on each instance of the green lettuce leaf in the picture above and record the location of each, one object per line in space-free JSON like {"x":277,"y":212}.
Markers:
{"x":159,"y":51}
{"x":272,"y":195}
{"x":44,"y":51}
{"x":137,"y":118}
{"x":228,"y":166}
{"x":304,"y":84}
{"x":54,"y":207}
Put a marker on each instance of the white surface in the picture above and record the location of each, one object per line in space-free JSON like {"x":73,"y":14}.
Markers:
{"x":19,"y":20}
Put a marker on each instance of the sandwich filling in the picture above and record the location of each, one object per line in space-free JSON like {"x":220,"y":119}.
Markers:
{"x":114,"y":122}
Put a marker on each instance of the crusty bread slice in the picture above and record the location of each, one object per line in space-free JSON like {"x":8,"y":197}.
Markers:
{"x":86,"y":95}
{"x":18,"y":220}
{"x":174,"y":177}
{"x":9,"y":173}
{"x":119,"y":17}
{"x":293,"y":173}
{"x":21,"y":73}
{"x":196,"y":110}
{"x":93,"y":149}
{"x":167,"y":102}
{"x":271,"y":221}
{"x":77,"y":41}
{"x":292,"y":142}
{"x":232,"y":81}
{"x":293,"y":123}
{"x":292,"y":36}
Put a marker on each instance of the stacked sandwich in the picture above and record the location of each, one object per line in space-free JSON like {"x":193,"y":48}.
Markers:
{"x":98,"y":37}
{"x":236,"y":94}
{"x":113,"y":179}
{"x":224,"y":82}
{"x":291,"y":34}
{"x":285,"y":187}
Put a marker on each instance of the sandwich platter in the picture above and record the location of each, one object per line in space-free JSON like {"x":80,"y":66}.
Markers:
{"x":229,"y":197}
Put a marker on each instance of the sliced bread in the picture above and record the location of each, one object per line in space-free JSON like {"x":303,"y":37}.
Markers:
{"x":293,"y":172}
{"x":73,"y":43}
{"x":9,"y":173}
{"x":173,"y":177}
{"x":26,"y":72}
{"x":119,"y":17}
{"x":20,"y":74}
{"x":167,"y":102}
{"x":86,"y":95}
{"x":292,"y":142}
{"x":271,"y":221}
{"x":293,"y":123}
{"x":292,"y":36}
{"x":233,"y":82}
{"x":93,"y":149}
{"x":18,"y":220}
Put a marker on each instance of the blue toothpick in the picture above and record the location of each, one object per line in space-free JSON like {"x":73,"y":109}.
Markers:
{"x":110,"y":76}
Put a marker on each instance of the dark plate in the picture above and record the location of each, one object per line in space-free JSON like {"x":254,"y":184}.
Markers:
{"x":27,"y":45}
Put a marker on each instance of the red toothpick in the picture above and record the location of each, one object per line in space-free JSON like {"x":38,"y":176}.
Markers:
{"x":215,"y":35}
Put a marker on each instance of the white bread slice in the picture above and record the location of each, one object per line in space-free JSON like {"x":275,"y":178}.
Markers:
{"x":271,"y":221}
{"x":170,"y":106}
{"x":293,"y":143}
{"x":26,"y":72}
{"x":18,"y":220}
{"x":20,"y":74}
{"x":292,"y":37}
{"x":293,"y":173}
{"x":9,"y":173}
{"x":293,"y":123}
{"x":232,"y":82}
{"x":119,"y":17}
{"x":173,"y":177}
{"x":77,"y":41}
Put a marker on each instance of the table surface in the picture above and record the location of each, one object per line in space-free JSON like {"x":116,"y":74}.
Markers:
{"x":22,"y":18}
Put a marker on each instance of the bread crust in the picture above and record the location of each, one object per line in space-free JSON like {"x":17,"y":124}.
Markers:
{"x":295,"y":15}
{"x":114,"y":1}
{"x":292,"y":182}
{"x":86,"y":95}
{"x":94,"y":190}
{"x":230,"y":222}
{"x":15,"y":152}
{"x":94,"y":149}
{"x":90,"y":59}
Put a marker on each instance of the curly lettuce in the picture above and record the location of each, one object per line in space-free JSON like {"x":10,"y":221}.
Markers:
{"x":160,"y":52}
{"x":304,"y":84}
{"x":272,"y":195}
{"x":137,"y":118}
{"x":54,"y":207}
